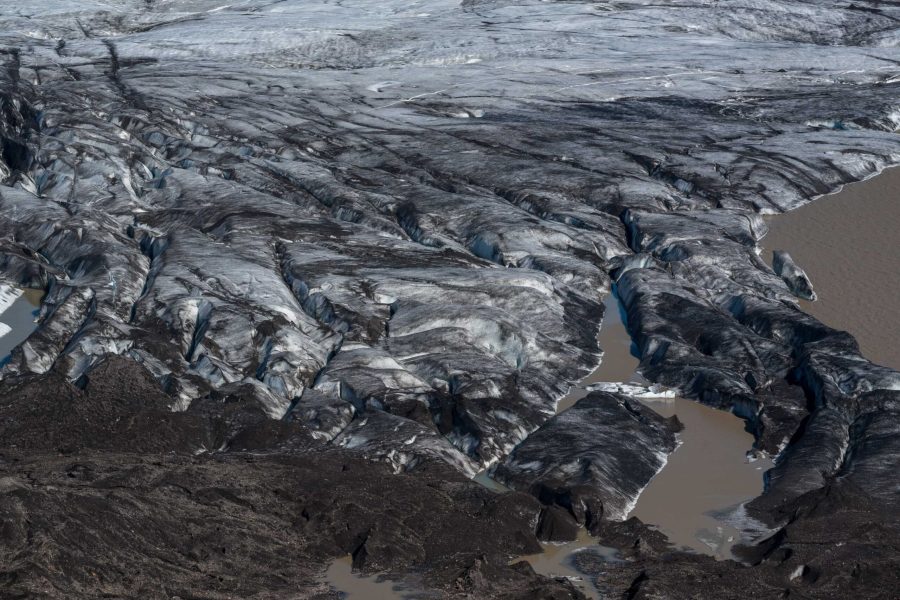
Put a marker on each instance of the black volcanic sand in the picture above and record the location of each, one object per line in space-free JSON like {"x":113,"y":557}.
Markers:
{"x":102,"y":495}
{"x":144,"y":514}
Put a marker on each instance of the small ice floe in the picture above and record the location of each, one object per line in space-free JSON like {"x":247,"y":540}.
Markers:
{"x":633,"y":389}
{"x":792,"y":275}
{"x":754,"y":454}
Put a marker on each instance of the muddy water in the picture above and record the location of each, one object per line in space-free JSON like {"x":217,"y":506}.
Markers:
{"x":18,"y":311}
{"x":557,"y":561}
{"x":617,"y":363}
{"x":353,"y":586}
{"x":695,"y":500}
{"x":849,"y":245}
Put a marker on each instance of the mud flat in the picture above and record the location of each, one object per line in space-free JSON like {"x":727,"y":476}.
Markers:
{"x":18,"y":310}
{"x":849,"y":245}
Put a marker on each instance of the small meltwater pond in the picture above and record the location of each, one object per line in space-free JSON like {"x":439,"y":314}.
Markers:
{"x":353,"y":586}
{"x":696,"y":499}
{"x":618,"y":362}
{"x":557,"y":560}
{"x":18,"y":316}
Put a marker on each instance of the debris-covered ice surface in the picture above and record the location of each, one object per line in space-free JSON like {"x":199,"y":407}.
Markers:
{"x":395,"y":223}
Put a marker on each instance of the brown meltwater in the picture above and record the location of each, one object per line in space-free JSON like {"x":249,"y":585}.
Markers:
{"x":849,"y":245}
{"x":697,"y":498}
{"x":353,"y":586}
{"x":557,"y":561}
{"x":617,"y":364}
{"x":18,"y":314}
